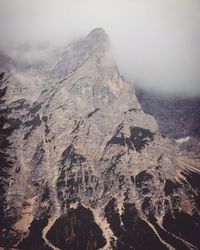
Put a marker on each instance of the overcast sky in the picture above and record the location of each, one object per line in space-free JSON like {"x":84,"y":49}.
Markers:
{"x":156,"y":42}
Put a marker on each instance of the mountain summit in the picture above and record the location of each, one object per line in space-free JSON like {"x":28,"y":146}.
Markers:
{"x":97,"y":35}
{"x":84,"y":168}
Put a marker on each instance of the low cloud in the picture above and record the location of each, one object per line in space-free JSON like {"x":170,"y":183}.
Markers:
{"x":156,"y":42}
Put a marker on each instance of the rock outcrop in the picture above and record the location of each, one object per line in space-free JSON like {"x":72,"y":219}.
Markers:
{"x":83,"y":167}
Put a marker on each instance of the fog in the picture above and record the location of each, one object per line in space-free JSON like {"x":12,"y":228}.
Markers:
{"x":156,"y":43}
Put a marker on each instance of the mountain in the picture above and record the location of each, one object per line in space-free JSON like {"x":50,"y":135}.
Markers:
{"x":83,"y":167}
{"x":183,"y":113}
{"x":178,"y":118}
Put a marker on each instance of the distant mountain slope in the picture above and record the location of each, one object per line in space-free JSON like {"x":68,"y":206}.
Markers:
{"x":177,"y":117}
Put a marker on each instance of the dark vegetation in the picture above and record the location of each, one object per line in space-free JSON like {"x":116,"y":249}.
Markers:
{"x":34,"y":240}
{"x":134,"y":233}
{"x":76,"y":230}
{"x":184,"y":226}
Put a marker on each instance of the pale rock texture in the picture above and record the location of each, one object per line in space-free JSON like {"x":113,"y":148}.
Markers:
{"x":83,"y":167}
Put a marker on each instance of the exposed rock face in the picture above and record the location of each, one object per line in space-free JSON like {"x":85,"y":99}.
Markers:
{"x":83,"y":166}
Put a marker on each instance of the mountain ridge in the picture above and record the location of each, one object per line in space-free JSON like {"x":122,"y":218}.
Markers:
{"x":87,"y":168}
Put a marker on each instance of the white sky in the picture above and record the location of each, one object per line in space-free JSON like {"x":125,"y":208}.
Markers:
{"x":156,"y":42}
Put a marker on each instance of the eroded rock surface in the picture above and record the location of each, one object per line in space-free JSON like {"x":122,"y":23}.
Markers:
{"x":84,"y":168}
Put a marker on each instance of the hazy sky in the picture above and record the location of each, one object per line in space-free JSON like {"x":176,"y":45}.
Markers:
{"x":156,"y":42}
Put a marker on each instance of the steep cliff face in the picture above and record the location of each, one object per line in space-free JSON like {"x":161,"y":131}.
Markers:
{"x":85,"y":168}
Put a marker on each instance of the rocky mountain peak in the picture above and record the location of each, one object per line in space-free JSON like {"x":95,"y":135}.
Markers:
{"x":83,"y":167}
{"x":96,"y":45}
{"x":97,"y":35}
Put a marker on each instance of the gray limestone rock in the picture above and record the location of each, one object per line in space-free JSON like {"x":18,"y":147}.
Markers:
{"x":83,"y":166}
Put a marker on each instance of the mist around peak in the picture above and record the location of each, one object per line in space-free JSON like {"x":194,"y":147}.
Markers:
{"x":155,"y":43}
